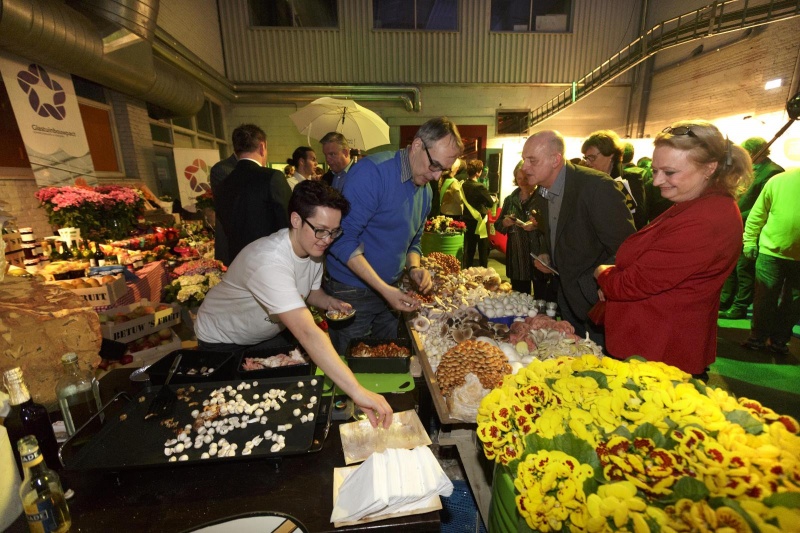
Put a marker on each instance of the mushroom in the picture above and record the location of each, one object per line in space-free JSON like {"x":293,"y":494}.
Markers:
{"x":421,"y":324}
{"x":462,"y":334}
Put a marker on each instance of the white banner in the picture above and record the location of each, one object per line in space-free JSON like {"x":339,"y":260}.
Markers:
{"x":49,"y":121}
{"x":193,"y":167}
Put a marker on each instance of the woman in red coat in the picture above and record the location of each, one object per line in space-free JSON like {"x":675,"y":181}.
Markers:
{"x":662,"y":293}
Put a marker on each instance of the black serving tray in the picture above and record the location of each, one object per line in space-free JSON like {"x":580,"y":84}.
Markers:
{"x":307,"y":369}
{"x":378,"y":365}
{"x":221,"y":362}
{"x":128,"y":441}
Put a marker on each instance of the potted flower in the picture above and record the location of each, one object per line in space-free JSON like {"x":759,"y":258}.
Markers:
{"x":444,"y":234}
{"x":107,"y":212}
{"x":589,"y":444}
{"x":190,"y":291}
{"x":165,"y":201}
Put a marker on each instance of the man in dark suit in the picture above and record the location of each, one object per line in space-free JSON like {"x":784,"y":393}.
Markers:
{"x":253,"y":200}
{"x":337,"y":155}
{"x":737,"y":293}
{"x":219,"y":172}
{"x":584,"y":219}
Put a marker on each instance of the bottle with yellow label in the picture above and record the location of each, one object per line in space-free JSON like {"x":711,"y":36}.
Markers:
{"x":42,"y":496}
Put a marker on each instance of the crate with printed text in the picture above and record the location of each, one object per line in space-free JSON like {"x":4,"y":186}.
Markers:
{"x":138,"y":320}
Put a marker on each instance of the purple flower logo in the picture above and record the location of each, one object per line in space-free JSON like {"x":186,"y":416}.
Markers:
{"x":35,"y":80}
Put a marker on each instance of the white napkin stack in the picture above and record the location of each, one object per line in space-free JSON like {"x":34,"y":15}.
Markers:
{"x":394,"y":481}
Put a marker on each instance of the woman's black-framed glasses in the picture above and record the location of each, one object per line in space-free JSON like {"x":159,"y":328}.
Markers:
{"x":680,"y":130}
{"x":320,"y":233}
{"x":434,"y":166}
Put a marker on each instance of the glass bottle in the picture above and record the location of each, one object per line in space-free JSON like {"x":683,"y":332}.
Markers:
{"x":86,"y":253}
{"x":92,"y":260}
{"x":99,"y":256}
{"x":28,"y":418}
{"x":78,"y":394}
{"x":75,"y":252}
{"x":41,"y":493}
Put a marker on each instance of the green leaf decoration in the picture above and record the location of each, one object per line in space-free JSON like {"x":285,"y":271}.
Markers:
{"x":590,"y":485}
{"x":577,"y":448}
{"x":790,"y":500}
{"x":649,"y":431}
{"x":750,"y":423}
{"x":630,"y":385}
{"x":652,"y":524}
{"x":599,"y":377}
{"x":623,"y":431}
{"x":699,"y":385}
{"x":689,"y":487}
{"x":635,"y":358}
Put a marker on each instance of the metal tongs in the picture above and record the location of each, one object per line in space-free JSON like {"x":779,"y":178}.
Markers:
{"x":165,"y":398}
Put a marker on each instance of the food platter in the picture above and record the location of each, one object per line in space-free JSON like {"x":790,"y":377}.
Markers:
{"x":338,"y":316}
{"x":127,"y":440}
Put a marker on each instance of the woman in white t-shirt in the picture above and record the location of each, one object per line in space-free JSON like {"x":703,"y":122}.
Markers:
{"x":268,"y":286}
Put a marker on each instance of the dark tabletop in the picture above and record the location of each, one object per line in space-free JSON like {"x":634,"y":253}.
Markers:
{"x":174,"y":498}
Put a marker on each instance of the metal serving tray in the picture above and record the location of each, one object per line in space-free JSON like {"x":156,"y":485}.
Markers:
{"x":127,"y":440}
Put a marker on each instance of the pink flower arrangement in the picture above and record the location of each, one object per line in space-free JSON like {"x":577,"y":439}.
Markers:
{"x":107,"y":211}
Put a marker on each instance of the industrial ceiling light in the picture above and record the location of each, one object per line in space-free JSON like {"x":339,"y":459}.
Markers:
{"x":773,"y":84}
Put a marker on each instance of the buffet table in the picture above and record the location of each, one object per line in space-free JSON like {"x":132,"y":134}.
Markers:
{"x":454,"y":432}
{"x":177,"y":498}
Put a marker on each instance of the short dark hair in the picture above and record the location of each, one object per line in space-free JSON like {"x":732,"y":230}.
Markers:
{"x":301,"y":152}
{"x":246,"y":138}
{"x":335,"y":137}
{"x":627,"y":152}
{"x":475,"y":166}
{"x":310,"y":194}
{"x":438,"y":128}
{"x":607,"y":143}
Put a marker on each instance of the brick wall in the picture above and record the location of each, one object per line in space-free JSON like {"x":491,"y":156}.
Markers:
{"x":133,"y":132}
{"x":17,"y":190}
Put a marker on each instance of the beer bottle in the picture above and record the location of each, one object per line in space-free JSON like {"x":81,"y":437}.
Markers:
{"x":28,"y":418}
{"x":41,"y":493}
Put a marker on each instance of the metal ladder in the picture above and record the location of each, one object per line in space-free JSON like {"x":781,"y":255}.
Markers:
{"x":714,"y":19}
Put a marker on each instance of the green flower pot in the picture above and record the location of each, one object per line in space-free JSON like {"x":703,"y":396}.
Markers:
{"x":450,"y":244}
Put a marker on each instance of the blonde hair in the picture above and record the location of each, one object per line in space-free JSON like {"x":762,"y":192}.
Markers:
{"x":706,"y":144}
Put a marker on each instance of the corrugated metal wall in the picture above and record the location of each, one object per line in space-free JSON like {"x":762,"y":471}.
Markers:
{"x":355,"y":53}
{"x":194,"y":23}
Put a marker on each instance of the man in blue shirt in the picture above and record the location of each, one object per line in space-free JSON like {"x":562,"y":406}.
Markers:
{"x":390,"y":200}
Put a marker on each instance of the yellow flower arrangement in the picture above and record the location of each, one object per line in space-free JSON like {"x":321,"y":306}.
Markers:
{"x":603,"y":445}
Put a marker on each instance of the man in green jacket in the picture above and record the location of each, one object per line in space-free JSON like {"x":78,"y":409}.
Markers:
{"x":772,"y":239}
{"x":737,"y":293}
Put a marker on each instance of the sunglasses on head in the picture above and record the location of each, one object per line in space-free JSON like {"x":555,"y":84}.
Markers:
{"x":680,"y":130}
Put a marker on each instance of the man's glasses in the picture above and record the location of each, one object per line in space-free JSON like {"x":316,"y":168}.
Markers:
{"x":591,"y":157}
{"x":434,"y":166}
{"x":320,"y":233}
{"x":680,"y":130}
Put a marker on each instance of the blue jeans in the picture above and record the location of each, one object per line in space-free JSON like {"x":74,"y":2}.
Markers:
{"x":776,"y":306}
{"x":373,"y":316}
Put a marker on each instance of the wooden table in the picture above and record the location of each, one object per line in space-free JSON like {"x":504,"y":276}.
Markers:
{"x":175,"y":498}
{"x":454,"y":432}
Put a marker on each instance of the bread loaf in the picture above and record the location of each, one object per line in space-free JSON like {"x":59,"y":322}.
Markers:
{"x":38,"y":324}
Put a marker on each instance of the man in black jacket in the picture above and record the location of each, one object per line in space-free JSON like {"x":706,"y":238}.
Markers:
{"x":219,"y":172}
{"x":583,"y":216}
{"x":253,"y":200}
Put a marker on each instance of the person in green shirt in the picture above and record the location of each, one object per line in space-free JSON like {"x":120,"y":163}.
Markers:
{"x":772,"y":239}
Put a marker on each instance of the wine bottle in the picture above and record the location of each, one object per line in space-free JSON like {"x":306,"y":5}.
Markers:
{"x":99,"y":256}
{"x":28,"y":418}
{"x":40,"y":491}
{"x":92,"y":260}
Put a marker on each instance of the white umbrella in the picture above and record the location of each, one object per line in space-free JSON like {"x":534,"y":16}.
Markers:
{"x":362,"y":128}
